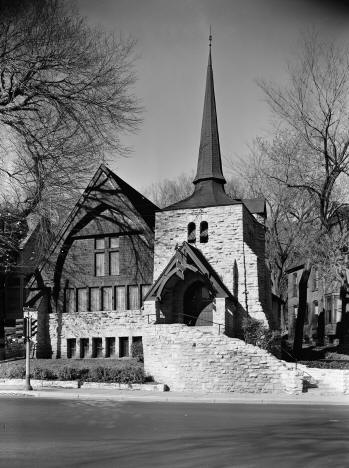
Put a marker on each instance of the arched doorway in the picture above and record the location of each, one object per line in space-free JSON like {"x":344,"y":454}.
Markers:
{"x":198,"y":305}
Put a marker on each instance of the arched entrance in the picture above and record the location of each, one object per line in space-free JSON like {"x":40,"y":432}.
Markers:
{"x":198,"y":305}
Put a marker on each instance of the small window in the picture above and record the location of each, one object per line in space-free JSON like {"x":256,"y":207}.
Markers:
{"x":99,"y":244}
{"x":107,"y":298}
{"x":133,"y":299}
{"x":191,"y":233}
{"x":120,"y":298}
{"x":114,"y":242}
{"x":295,"y":308}
{"x":99,"y":264}
{"x":316,"y":307}
{"x":204,"y":232}
{"x":137,"y":346}
{"x":315,"y":279}
{"x":123,"y":347}
{"x":84,"y":347}
{"x":294,"y":284}
{"x":82,"y":299}
{"x":95,"y":299}
{"x":109,"y":347}
{"x":69,"y":300}
{"x":97,"y":348}
{"x":114,"y":263}
{"x":71,"y":348}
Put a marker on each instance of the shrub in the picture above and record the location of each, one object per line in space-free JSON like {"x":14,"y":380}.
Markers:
{"x":326,"y":364}
{"x":129,"y":374}
{"x":16,"y":372}
{"x":257,"y":334}
{"x":137,"y":351}
{"x":90,"y":370}
{"x":42,"y":373}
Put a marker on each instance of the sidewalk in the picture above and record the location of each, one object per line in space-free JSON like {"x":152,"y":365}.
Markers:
{"x":176,"y":397}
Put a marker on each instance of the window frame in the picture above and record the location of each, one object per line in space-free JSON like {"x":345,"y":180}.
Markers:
{"x":203,"y":232}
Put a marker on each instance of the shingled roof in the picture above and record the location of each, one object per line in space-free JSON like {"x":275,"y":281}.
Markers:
{"x":209,"y":180}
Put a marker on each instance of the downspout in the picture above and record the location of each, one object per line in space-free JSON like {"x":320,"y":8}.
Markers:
{"x":245,"y":278}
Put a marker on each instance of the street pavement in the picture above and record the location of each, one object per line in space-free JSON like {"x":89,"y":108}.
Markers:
{"x":52,"y":433}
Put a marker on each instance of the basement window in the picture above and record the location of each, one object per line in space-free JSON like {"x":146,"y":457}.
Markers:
{"x":123,"y":347}
{"x":109,"y":347}
{"x":84,"y":347}
{"x":71,"y":348}
{"x":97,"y":347}
{"x":204,"y":232}
{"x":191,"y":233}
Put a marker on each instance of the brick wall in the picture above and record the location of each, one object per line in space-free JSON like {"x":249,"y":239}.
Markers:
{"x":199,"y":359}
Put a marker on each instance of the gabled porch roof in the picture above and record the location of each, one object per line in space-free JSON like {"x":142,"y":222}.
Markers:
{"x":187,"y":258}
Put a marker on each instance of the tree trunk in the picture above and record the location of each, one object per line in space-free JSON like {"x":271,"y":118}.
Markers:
{"x":302,"y":310}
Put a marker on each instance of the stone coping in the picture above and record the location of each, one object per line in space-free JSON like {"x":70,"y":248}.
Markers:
{"x":37,"y":384}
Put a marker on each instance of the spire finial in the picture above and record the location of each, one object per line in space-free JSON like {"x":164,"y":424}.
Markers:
{"x":210,"y":38}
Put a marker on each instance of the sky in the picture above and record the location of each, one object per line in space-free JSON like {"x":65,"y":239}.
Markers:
{"x":252,"y":39}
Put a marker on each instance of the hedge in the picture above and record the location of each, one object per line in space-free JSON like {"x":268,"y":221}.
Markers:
{"x":326,"y":364}
{"x":100,"y":371}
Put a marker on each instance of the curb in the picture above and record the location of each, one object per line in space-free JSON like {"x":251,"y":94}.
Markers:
{"x":169,"y":397}
{"x":42,"y":384}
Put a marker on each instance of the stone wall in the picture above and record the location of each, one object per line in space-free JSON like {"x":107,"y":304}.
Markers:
{"x":199,"y":359}
{"x":235,"y":249}
{"x":91,"y":325}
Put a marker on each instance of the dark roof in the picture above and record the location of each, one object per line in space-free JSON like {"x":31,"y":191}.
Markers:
{"x":206,"y":193}
{"x":209,"y":180}
{"x":144,"y":206}
{"x":209,"y":161}
{"x":255,"y":205}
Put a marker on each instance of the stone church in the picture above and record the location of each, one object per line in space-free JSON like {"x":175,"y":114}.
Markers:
{"x":120,"y":265}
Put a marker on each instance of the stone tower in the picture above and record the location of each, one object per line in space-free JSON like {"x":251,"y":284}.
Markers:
{"x":212,"y":228}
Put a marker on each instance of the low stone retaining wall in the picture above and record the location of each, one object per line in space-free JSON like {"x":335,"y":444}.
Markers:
{"x":336,"y":380}
{"x":198,"y":359}
{"x":38,"y":384}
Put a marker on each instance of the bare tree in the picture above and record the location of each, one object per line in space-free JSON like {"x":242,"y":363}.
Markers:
{"x":169,"y":191}
{"x":314,"y":108}
{"x":65,"y":97}
{"x":291,"y":218}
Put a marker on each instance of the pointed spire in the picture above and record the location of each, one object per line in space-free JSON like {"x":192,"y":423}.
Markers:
{"x":209,"y":181}
{"x":209,"y":162}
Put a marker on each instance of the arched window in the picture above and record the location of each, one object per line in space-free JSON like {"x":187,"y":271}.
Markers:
{"x":191,"y":233}
{"x":203,"y":232}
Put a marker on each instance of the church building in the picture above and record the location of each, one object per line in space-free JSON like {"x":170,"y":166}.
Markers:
{"x":120,"y":264}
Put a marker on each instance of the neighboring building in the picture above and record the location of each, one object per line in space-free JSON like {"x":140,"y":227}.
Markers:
{"x":324,"y":307}
{"x":200,"y":261}
{"x":17,"y":265}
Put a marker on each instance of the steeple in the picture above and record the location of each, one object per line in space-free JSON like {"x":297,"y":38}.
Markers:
{"x":209,"y":162}
{"x":209,"y":180}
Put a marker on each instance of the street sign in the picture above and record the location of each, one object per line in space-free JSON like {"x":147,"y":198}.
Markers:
{"x":33,"y":327}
